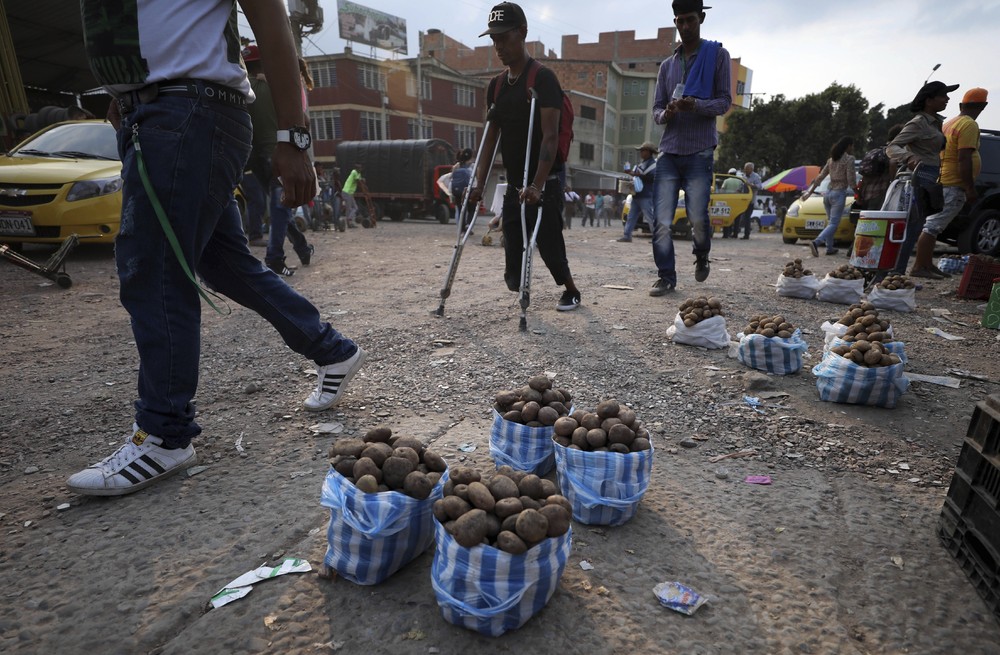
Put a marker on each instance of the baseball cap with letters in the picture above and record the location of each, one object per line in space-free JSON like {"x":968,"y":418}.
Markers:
{"x":505,"y":17}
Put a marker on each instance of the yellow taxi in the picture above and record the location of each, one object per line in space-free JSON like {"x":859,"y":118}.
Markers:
{"x":730,"y":197}
{"x":62,"y":180}
{"x":805,"y":220}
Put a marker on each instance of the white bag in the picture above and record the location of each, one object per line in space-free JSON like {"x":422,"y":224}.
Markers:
{"x":798,"y":287}
{"x":845,"y":292}
{"x":709,"y":333}
{"x":898,"y":300}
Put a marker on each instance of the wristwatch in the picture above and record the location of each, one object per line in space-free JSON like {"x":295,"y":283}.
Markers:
{"x":297,"y":136}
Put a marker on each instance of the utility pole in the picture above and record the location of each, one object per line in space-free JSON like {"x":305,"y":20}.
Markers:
{"x":420,"y":86}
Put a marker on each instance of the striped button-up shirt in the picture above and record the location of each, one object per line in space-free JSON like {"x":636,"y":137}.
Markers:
{"x":689,"y":132}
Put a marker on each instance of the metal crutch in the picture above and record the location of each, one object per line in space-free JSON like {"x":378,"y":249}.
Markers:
{"x":463,"y":235}
{"x":528,"y":244}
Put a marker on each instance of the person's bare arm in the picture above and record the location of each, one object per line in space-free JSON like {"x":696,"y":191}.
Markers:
{"x":269,"y":21}
{"x":965,"y":173}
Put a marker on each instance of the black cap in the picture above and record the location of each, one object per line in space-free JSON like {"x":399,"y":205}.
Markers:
{"x":505,"y":17}
{"x":688,"y":7}
{"x":930,"y":90}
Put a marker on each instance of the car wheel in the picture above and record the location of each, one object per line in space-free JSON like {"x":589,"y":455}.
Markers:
{"x":982,"y":235}
{"x":789,"y":240}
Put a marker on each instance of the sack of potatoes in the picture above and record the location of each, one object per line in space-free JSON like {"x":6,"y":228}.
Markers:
{"x":771,"y":344}
{"x":867,"y":353}
{"x":896,"y":293}
{"x":846,"y":272}
{"x":862,"y":373}
{"x":896,"y":282}
{"x":523,"y":422}
{"x":502,"y":543}
{"x":797,"y":281}
{"x":604,"y":470}
{"x":843,"y":285}
{"x":380,"y":492}
{"x":796,"y":269}
{"x":864,"y":324}
{"x":696,"y":310}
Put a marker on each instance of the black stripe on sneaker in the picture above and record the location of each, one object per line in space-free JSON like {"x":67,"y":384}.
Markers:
{"x":125,"y":473}
{"x":332,"y":382}
{"x":152,"y":463}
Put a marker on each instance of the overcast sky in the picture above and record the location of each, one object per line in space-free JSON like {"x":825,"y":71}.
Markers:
{"x":886,"y":48}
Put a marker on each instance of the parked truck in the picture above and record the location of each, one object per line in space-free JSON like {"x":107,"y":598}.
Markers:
{"x":401,"y":176}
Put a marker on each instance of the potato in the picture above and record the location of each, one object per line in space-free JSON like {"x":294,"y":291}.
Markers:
{"x":532,"y":526}
{"x":507,"y":507}
{"x":607,"y":409}
{"x":509,"y":542}
{"x":618,"y":448}
{"x":567,"y":397}
{"x":378,"y":452}
{"x":417,"y":485}
{"x":395,"y":470}
{"x":440,"y":513}
{"x":509,"y":523}
{"x":434,"y":462}
{"x":527,"y":502}
{"x":626,"y":415}
{"x":471,"y":527}
{"x":621,"y":434}
{"x":530,"y":485}
{"x":597,"y":438}
{"x":366,"y":466}
{"x":547,"y":416}
{"x":591,"y":421}
{"x":514,"y":416}
{"x":409,"y":442}
{"x":506,"y":398}
{"x":579,"y":437}
{"x":558,"y":518}
{"x":561,"y":409}
{"x":378,"y":434}
{"x":503,"y":487}
{"x":462,"y":491}
{"x":530,"y":411}
{"x":540,"y":382}
{"x":530,"y":395}
{"x":562,"y":441}
{"x":348,"y":447}
{"x":455,"y":507}
{"x":434,"y":477}
{"x":608,"y":423}
{"x":564,"y":426}
{"x":367,"y":484}
{"x":407,"y":453}
{"x":345,"y":466}
{"x":640,"y":443}
{"x":479,"y":496}
{"x":550,"y":396}
{"x":464,"y":475}
{"x":549,"y":488}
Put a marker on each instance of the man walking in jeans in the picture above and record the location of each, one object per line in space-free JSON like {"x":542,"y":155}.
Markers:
{"x":181,"y":94}
{"x":692,"y":89}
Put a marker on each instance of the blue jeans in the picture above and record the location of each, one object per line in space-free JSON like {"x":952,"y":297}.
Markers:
{"x":282,"y":225}
{"x":253,"y":192}
{"x":926,"y":200}
{"x":693,"y":174}
{"x":833,"y":203}
{"x":641,"y":204}
{"x":195,"y":151}
{"x":551,"y":245}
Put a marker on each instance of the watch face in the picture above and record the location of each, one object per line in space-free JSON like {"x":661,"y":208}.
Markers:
{"x":301,"y":139}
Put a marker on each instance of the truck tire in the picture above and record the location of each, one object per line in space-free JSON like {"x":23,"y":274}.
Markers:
{"x":442,"y":214}
{"x":982,"y":235}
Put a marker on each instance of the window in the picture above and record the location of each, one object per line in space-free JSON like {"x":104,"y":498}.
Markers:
{"x":324,"y":125}
{"x":465,"y":95}
{"x":465,"y":137}
{"x":371,"y":77}
{"x":634,"y":123}
{"x":425,"y":88}
{"x":587,"y":151}
{"x":582,"y":75}
{"x":635,"y":88}
{"x":588,"y":112}
{"x":419,"y":129}
{"x":324,"y":73}
{"x":599,"y":79}
{"x":741,"y":87}
{"x":371,"y":126}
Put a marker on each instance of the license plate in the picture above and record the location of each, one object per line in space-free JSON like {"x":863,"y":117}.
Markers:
{"x":815,"y":225}
{"x":16,"y":224}
{"x":718,"y":221}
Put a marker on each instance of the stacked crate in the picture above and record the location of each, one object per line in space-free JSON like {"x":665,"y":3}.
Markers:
{"x":970,"y":518}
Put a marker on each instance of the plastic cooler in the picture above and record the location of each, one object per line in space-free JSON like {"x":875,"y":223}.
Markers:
{"x":991,"y":317}
{"x":878,"y":237}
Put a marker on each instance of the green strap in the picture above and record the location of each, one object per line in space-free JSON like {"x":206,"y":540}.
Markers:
{"x":169,"y":231}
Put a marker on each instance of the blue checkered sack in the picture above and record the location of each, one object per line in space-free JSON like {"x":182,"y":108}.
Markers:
{"x":604,"y":488}
{"x":842,"y":381}
{"x":521,"y":447}
{"x":772,"y":354}
{"x":491,"y":591}
{"x":897,"y":348}
{"x":371,"y":536}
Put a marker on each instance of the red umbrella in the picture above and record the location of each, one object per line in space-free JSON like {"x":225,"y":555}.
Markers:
{"x":792,"y":179}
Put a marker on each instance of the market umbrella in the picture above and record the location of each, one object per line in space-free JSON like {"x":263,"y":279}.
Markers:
{"x":792,"y":179}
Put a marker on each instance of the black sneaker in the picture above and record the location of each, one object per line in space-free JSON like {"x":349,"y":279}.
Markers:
{"x":813,"y":249}
{"x":701,"y":269}
{"x":306,"y":256}
{"x":281,"y":269}
{"x":661,"y":288}
{"x":625,"y":239}
{"x":832,"y":251}
{"x":569,"y":301}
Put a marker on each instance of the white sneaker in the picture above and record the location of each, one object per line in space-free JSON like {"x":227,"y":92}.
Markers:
{"x":331,"y":380}
{"x":137,"y":464}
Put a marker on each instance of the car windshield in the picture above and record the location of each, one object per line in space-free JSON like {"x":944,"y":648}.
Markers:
{"x":89,"y":140}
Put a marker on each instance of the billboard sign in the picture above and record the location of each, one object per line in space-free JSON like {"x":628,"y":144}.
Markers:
{"x":370,"y":26}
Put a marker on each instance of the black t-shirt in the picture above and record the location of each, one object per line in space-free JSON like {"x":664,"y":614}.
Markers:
{"x":511,"y":116}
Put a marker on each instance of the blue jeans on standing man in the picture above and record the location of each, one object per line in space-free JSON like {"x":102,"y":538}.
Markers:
{"x":641,"y":204}
{"x":195,"y":150}
{"x":833,"y":203}
{"x":693,"y":174}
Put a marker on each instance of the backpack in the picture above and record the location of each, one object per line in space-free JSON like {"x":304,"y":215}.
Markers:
{"x":566,"y":114}
{"x":875,"y":162}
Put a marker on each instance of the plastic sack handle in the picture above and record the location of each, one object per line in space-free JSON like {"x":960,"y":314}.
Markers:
{"x":487,"y":613}
{"x":335,"y":496}
{"x":589,"y":499}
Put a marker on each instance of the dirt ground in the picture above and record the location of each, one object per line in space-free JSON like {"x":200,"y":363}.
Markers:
{"x":838,"y":555}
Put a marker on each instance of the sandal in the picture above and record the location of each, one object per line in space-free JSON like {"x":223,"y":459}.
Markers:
{"x":925,"y":273}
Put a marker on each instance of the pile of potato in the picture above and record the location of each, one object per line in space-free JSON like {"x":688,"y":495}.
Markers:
{"x":537,"y":404}
{"x":895,"y":282}
{"x":695,"y":310}
{"x":610,"y":428}
{"x":796,"y":269}
{"x":847,"y":272}
{"x":867,"y":353}
{"x":770,"y":326}
{"x":383,"y":462}
{"x":512,"y":510}
{"x":864,"y":324}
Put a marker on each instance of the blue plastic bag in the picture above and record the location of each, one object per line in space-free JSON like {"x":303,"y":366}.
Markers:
{"x":604,"y":488}
{"x":772,"y":354}
{"x":521,"y":447}
{"x":371,"y":536}
{"x":491,"y":591}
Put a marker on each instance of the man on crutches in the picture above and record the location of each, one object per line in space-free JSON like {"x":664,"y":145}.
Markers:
{"x":529,"y":143}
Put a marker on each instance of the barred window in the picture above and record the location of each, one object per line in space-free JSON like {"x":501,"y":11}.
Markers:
{"x":324,"y":125}
{"x":465,"y":95}
{"x":587,"y":151}
{"x":371,"y":126}
{"x":419,"y":129}
{"x":324,"y":73}
{"x":465,"y":137}
{"x":588,"y":112}
{"x":371,"y":77}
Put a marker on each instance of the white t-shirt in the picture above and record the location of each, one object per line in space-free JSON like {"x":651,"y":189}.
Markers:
{"x":133,"y":43}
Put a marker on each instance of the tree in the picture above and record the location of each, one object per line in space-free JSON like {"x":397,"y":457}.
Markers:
{"x":881,"y":124}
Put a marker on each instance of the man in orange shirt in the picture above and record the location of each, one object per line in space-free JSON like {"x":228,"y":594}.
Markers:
{"x":960,"y":165}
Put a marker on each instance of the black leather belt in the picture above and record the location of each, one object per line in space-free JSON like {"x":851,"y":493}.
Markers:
{"x":184,"y":89}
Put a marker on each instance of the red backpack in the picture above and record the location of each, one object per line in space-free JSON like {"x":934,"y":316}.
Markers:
{"x":565,"y":114}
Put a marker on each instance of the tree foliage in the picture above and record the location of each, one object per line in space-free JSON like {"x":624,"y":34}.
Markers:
{"x":783,"y":133}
